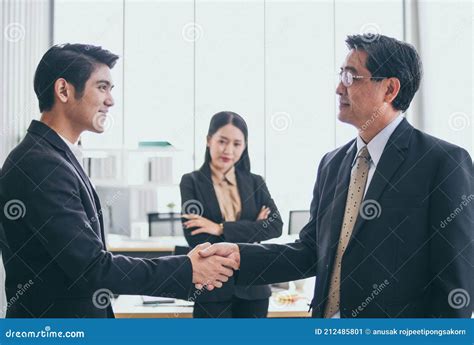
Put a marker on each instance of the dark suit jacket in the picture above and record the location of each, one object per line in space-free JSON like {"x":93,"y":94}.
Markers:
{"x":197,"y":186}
{"x":59,"y":244}
{"x":405,"y":262}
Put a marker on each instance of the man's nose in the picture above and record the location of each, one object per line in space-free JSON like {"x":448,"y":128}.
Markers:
{"x":109,"y":101}
{"x":341,"y":89}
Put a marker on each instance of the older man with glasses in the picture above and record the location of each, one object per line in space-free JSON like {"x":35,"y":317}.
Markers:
{"x":383,"y":239}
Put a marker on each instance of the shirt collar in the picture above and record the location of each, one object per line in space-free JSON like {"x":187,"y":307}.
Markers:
{"x":229,"y":176}
{"x":377,"y":144}
{"x":75,"y":148}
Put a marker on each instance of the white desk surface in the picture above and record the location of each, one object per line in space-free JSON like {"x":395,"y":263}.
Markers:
{"x":117,"y":243}
{"x":128,"y":306}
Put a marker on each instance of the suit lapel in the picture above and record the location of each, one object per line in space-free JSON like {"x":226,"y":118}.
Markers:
{"x":100,"y":216}
{"x":85,"y":180}
{"x":246,"y":193}
{"x":208,"y":193}
{"x":392,"y":157}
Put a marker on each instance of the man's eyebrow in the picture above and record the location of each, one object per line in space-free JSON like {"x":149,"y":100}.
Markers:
{"x":104,"y":82}
{"x":350,"y":68}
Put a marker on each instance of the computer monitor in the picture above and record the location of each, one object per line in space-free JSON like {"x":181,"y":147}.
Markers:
{"x":298,"y":219}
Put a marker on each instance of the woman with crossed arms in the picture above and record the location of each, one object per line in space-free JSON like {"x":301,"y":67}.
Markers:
{"x":234,"y":206}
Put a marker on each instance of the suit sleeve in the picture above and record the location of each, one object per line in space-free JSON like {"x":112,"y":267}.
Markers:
{"x":247,"y":231}
{"x":451,"y":243}
{"x":274,"y":263}
{"x":189,"y":197}
{"x":56,"y":216}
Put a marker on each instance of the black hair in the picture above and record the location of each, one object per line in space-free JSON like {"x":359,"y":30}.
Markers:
{"x":73,"y":62}
{"x":222,"y":119}
{"x":387,"y":58}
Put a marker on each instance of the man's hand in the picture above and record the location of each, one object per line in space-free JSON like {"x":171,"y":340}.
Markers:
{"x":229,"y":251}
{"x":211,"y":270}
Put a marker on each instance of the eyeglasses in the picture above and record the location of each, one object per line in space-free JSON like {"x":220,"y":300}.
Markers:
{"x":347,"y":78}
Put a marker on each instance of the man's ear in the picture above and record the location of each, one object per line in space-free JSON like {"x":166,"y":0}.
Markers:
{"x":62,"y":90}
{"x":393,"y":88}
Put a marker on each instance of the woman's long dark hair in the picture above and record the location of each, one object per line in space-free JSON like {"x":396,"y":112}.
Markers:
{"x":222,"y":119}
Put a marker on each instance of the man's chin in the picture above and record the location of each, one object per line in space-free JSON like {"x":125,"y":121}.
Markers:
{"x":348,"y":117}
{"x":97,"y":129}
{"x":343,"y":117}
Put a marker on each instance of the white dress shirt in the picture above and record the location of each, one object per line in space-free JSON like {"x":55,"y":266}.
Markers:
{"x":75,"y":149}
{"x":375,"y":148}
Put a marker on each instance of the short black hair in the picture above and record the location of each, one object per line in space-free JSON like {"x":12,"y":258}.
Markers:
{"x":73,"y":62}
{"x":391,"y":58}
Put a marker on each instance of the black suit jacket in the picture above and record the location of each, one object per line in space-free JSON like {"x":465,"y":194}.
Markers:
{"x":408,"y":261}
{"x":58,"y":243}
{"x":197,"y":188}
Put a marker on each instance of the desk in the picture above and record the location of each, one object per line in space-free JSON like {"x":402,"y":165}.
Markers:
{"x":163,"y":244}
{"x":132,"y":307}
{"x":128,"y":306}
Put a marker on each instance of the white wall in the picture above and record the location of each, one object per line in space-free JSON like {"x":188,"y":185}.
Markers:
{"x":273,"y":62}
{"x":446,"y":51}
{"x":299,"y":85}
{"x":229,"y":70}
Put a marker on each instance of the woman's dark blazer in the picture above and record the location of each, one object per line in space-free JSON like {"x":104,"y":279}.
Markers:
{"x":197,"y":192}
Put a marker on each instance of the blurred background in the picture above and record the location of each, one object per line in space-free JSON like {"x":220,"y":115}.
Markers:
{"x":276,"y":63}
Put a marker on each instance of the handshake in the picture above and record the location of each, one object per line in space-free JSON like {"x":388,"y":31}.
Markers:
{"x":214,"y":264}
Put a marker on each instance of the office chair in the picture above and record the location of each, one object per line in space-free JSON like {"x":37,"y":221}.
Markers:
{"x":164,"y":224}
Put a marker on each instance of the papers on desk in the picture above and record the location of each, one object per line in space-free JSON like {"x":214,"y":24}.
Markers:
{"x":156,"y":300}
